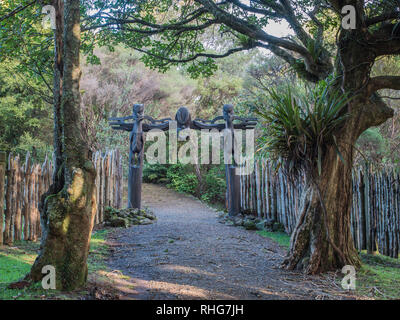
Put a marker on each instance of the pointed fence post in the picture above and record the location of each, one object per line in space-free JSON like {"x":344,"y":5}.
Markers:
{"x":2,"y":184}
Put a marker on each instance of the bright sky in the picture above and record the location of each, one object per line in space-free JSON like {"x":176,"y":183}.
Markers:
{"x":280,"y":29}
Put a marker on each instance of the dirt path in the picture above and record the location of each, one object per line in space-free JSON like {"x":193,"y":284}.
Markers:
{"x":187,"y":254}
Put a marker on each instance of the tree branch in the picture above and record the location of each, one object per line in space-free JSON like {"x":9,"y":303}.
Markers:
{"x":255,"y":10}
{"x":383,"y":82}
{"x":194,"y":57}
{"x":17,"y":10}
{"x":382,"y":18}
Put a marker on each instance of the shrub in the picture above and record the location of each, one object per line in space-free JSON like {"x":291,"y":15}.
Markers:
{"x":298,"y":129}
{"x":214,"y":185}
{"x":182,"y":179}
{"x":155,"y":173}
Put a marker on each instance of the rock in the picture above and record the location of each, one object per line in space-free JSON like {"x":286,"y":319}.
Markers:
{"x":149,"y":215}
{"x":221,"y":215}
{"x":118,"y":222}
{"x":260,"y":225}
{"x":249,"y":224}
{"x":269,"y":223}
{"x":238,"y":221}
{"x":128,"y":217}
{"x":146,"y":221}
{"x":278,"y":227}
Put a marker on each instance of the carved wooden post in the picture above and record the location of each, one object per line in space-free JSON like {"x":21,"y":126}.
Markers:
{"x":232,"y":179}
{"x":2,"y":183}
{"x":136,"y":154}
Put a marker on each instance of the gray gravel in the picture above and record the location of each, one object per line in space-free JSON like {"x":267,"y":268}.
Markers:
{"x":187,"y":254}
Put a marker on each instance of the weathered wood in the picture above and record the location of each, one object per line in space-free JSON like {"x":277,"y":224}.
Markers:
{"x":375,"y":214}
{"x":7,"y":219}
{"x":26,"y":207}
{"x":17,"y":199}
{"x":3,"y":168}
{"x":22,"y":186}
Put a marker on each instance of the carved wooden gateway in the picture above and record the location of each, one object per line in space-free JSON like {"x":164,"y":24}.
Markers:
{"x":138,"y":123}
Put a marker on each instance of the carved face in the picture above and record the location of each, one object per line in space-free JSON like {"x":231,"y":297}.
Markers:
{"x":138,"y":110}
{"x":228,"y":112}
{"x":183,"y":118}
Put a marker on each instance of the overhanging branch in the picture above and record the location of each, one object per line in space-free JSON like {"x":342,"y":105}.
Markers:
{"x":382,"y":18}
{"x":383,"y":82}
{"x":17,"y":10}
{"x":195,"y":56}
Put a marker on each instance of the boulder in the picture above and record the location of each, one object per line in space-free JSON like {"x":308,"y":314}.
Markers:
{"x":127,"y":217}
{"x":118,"y":222}
{"x":278,"y":227}
{"x":260,"y":225}
{"x":249,"y":224}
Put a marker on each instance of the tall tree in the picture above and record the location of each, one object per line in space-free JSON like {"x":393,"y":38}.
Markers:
{"x":68,"y":208}
{"x":319,"y":243}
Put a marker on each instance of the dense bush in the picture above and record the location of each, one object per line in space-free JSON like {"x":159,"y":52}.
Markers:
{"x":155,"y":173}
{"x":214,"y":185}
{"x":209,"y":187}
{"x":183,"y":179}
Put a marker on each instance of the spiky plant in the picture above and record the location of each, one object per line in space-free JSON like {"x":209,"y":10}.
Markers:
{"x":299,"y":128}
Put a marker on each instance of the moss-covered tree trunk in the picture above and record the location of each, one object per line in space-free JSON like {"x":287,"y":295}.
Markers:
{"x":322,"y":239}
{"x":68,"y":209}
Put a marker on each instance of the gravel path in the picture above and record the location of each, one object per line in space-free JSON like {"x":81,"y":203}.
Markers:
{"x":187,"y":254}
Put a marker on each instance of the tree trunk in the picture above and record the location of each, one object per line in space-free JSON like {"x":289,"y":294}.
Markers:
{"x":322,"y":239}
{"x":67,"y":215}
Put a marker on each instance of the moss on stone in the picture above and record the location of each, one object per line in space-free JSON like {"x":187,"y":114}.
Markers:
{"x":128,"y":217}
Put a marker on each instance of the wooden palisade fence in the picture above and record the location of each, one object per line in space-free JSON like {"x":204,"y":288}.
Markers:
{"x":23,"y":184}
{"x":375,"y":216}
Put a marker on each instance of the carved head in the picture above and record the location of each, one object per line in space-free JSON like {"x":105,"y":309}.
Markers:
{"x":228,"y":112}
{"x":183,"y":118}
{"x":138,"y":111}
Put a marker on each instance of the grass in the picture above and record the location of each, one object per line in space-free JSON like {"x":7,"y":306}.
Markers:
{"x":98,"y":251}
{"x":280,"y":237}
{"x":378,"y":278}
{"x":16,"y":261}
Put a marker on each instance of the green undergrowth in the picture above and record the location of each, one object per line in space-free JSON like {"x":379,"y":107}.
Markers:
{"x":16,"y":262}
{"x":378,"y":278}
{"x":280,"y":237}
{"x":98,"y":250}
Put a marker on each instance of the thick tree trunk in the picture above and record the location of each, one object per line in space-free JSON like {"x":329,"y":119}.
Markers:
{"x":322,"y":239}
{"x":67,"y":215}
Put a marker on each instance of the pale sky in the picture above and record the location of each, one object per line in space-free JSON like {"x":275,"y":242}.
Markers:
{"x":280,"y":29}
